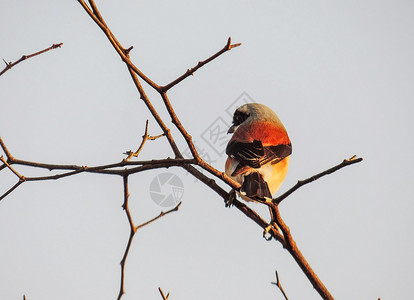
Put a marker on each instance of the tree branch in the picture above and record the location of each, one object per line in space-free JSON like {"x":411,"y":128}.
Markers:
{"x":227,"y":47}
{"x":24,"y":57}
{"x":132,"y":231}
{"x":123,"y":53}
{"x":11,"y":190}
{"x":298,"y":256}
{"x":300,"y":183}
{"x":163,"y":213}
{"x":5,"y":150}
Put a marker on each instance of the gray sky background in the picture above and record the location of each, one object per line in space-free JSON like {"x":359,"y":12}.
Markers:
{"x":340,"y":77}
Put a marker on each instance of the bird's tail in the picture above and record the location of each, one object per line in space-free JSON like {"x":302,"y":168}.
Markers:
{"x":255,"y":187}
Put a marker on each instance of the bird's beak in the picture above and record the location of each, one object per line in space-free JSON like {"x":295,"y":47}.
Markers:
{"x":232,"y":129}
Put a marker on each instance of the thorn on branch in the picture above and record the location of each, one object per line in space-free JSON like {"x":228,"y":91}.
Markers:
{"x":126,"y":51}
{"x":54,"y":46}
{"x":235,"y":45}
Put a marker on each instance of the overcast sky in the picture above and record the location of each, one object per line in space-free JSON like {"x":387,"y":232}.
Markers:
{"x":338,"y":73}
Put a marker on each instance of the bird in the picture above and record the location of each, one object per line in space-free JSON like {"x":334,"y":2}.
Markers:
{"x":258,"y":152}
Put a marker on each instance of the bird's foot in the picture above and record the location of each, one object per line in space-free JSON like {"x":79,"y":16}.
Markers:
{"x":232,"y":196}
{"x":268,"y":200}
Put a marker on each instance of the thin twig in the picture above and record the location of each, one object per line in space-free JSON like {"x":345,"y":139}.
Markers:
{"x":11,"y":190}
{"x":132,"y":231}
{"x":163,"y":213}
{"x":24,"y":57}
{"x":162,"y":294}
{"x":279,"y":285}
{"x":5,"y":150}
{"x":300,"y":183}
{"x":145,"y":137}
{"x":191,"y":71}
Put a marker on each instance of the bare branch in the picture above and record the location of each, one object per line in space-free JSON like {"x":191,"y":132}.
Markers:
{"x":24,"y":57}
{"x":300,"y":183}
{"x":123,"y":53}
{"x":145,"y":137}
{"x":56,"y":176}
{"x":11,"y":190}
{"x":133,"y":230}
{"x":298,"y":256}
{"x":279,"y":285}
{"x":191,"y":71}
{"x":131,"y":236}
{"x":107,"y":169}
{"x":163,"y":213}
{"x":113,"y":169}
{"x":6,"y":151}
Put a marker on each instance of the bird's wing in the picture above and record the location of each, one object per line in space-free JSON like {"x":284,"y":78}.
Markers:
{"x":255,"y":155}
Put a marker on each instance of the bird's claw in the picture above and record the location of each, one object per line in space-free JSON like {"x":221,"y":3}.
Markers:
{"x":266,"y":232}
{"x":232,"y":196}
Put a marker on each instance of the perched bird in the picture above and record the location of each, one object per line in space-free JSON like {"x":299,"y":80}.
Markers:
{"x":258,"y":152}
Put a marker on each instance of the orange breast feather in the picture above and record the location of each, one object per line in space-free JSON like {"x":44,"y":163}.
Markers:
{"x":269,"y":134}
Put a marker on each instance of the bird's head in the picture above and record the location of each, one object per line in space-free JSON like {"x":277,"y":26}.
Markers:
{"x":251,"y":112}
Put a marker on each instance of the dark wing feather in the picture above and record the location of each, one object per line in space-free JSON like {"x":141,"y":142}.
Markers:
{"x":254,"y":155}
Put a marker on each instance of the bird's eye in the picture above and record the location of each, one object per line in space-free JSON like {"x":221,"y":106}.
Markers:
{"x":239,"y":118}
